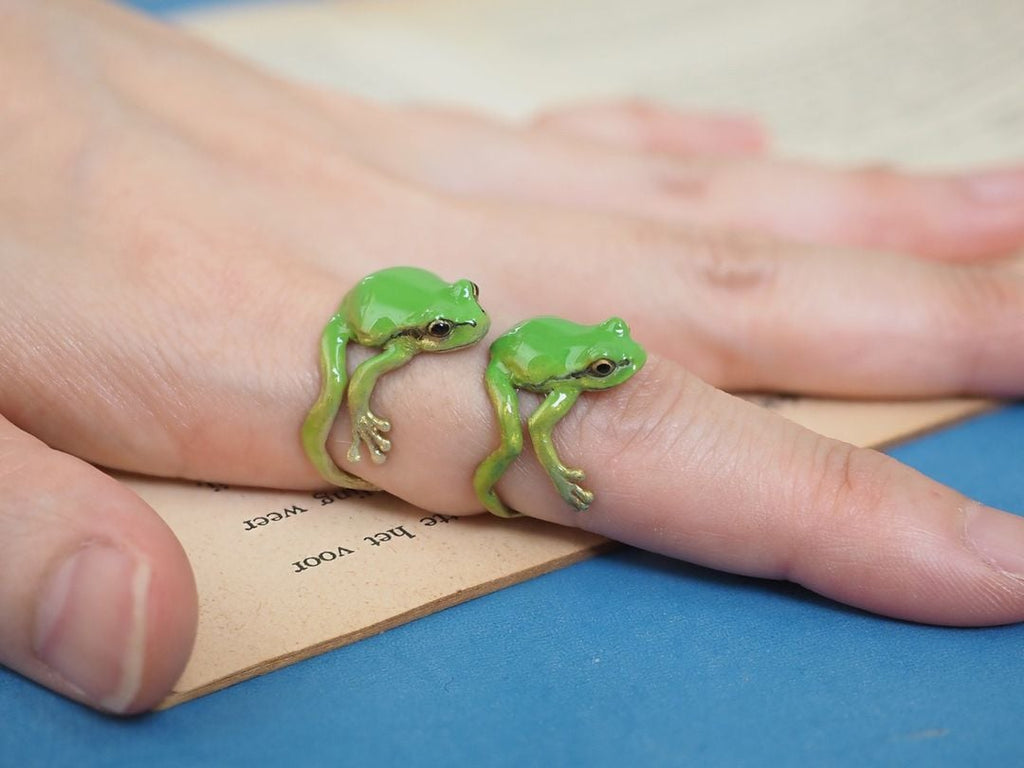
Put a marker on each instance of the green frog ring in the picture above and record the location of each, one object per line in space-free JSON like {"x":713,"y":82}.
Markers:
{"x":559,"y":359}
{"x":402,"y":311}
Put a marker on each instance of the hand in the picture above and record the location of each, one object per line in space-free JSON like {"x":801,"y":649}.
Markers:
{"x":176,"y":228}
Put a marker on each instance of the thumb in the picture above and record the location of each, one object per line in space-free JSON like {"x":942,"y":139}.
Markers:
{"x":97,"y":600}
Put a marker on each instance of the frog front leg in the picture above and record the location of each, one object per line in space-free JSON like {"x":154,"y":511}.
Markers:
{"x":366,"y":426}
{"x":506,"y":406}
{"x":318,"y":422}
{"x":541,"y":422}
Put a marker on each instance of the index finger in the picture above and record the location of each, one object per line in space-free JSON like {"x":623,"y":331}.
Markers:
{"x":680,"y":468}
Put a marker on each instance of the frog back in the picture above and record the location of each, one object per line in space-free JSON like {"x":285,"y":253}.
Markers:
{"x":394,"y":300}
{"x":541,"y":353}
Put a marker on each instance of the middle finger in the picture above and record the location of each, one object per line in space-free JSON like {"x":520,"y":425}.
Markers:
{"x":953,"y":216}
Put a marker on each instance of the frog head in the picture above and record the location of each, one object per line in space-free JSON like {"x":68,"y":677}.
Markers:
{"x":455,"y":319}
{"x":609,"y":357}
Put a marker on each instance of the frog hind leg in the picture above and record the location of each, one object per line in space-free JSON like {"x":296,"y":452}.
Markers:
{"x":506,"y":407}
{"x":367,"y":427}
{"x":541,"y":423}
{"x":320,"y":419}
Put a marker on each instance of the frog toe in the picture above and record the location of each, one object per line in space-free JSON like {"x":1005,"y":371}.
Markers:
{"x":376,"y":443}
{"x":353,"y":451}
{"x":379,"y":450}
{"x":580,"y":498}
{"x":376,"y":422}
{"x":573,"y":475}
{"x":574,"y":494}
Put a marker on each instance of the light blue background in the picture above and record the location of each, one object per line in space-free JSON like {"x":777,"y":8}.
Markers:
{"x":627,"y":658}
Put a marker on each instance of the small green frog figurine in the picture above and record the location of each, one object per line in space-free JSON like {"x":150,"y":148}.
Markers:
{"x":404,"y":311}
{"x":558,"y":358}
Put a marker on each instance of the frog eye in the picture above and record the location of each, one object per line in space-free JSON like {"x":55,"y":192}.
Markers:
{"x":601,"y":368}
{"x":440,"y":329}
{"x":476,"y":290}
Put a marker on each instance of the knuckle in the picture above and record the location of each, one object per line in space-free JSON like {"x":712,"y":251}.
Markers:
{"x":690,"y":183}
{"x":840,"y":494}
{"x":733,"y":263}
{"x":846,"y":478}
{"x":735,"y":286}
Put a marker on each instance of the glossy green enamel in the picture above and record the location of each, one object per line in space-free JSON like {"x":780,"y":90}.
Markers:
{"x":560,"y":359}
{"x":403,"y":311}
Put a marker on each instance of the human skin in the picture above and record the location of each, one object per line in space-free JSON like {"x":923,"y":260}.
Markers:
{"x":176,"y":228}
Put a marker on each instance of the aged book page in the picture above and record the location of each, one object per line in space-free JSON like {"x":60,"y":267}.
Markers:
{"x":285,"y":575}
{"x":927,"y":83}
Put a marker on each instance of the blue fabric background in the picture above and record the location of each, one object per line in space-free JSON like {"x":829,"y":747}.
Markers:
{"x":173,"y":6}
{"x":627,"y":658}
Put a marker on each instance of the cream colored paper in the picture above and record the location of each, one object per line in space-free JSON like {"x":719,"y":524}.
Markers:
{"x":928,"y":83}
{"x":283,"y":576}
{"x":934,"y":83}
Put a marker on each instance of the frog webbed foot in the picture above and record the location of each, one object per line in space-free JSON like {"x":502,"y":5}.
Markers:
{"x":369,"y":428}
{"x":567,"y":481}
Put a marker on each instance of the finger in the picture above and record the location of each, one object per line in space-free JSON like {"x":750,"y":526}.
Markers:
{"x":761,"y":315}
{"x":953,"y":216}
{"x":748,"y":313}
{"x":698,"y":475}
{"x":948,"y":217}
{"x":651,"y":128}
{"x":960,"y":218}
{"x":97,"y":598}
{"x":181,"y":392}
{"x":679,"y":468}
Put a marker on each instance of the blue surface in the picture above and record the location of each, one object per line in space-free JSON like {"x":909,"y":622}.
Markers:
{"x":628,"y":658}
{"x":175,"y":6}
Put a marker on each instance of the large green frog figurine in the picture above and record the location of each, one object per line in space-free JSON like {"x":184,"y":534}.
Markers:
{"x":403,"y":311}
{"x":560,"y":359}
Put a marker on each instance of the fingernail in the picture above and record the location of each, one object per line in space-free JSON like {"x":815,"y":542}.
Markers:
{"x":997,"y":537}
{"x":90,"y":624}
{"x":996,"y":186}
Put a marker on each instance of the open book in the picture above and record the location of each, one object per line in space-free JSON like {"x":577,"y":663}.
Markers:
{"x":926,"y":83}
